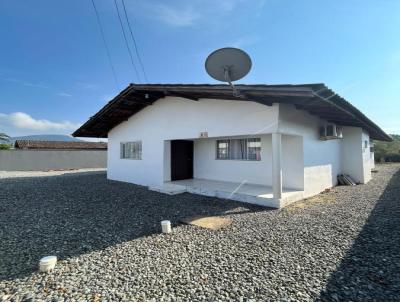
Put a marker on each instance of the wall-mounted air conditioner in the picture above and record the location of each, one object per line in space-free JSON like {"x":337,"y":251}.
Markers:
{"x":330,"y":131}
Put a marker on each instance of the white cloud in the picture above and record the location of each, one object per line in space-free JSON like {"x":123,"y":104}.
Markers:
{"x":392,"y":130}
{"x":64,"y":94}
{"x":176,"y":17}
{"x":187,"y":13}
{"x":20,"y":123}
{"x":25,"y":83}
{"x":93,"y":139}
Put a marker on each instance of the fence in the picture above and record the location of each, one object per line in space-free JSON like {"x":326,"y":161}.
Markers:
{"x":39,"y":160}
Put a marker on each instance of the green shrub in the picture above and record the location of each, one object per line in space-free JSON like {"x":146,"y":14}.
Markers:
{"x":5,"y":147}
{"x":388,"y":151}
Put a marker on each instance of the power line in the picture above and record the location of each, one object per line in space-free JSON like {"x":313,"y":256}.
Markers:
{"x":134,"y":43}
{"x":126,"y":41}
{"x":105,"y":45}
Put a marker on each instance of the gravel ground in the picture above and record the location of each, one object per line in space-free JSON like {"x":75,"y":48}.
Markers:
{"x":339,"y":246}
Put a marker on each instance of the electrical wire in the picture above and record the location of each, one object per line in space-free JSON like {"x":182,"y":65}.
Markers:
{"x":134,"y":43}
{"x":105,"y":45}
{"x":126,"y":41}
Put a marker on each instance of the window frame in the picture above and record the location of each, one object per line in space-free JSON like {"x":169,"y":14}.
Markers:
{"x":230,"y":155}
{"x":123,"y":153}
{"x":228,"y":142}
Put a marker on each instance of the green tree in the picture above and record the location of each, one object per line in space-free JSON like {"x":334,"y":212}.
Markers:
{"x":388,"y":151}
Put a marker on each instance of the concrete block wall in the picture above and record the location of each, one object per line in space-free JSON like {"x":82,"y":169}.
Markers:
{"x":41,"y":160}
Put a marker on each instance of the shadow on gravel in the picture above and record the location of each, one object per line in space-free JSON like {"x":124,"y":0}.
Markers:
{"x":74,"y":214}
{"x":370,"y":270}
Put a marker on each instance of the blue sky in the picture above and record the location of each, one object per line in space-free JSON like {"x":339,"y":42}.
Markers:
{"x":54,"y":71}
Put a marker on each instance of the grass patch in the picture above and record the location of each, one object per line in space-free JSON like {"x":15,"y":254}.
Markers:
{"x":328,"y":196}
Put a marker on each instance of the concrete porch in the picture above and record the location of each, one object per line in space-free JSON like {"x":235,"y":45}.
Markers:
{"x":244,"y":192}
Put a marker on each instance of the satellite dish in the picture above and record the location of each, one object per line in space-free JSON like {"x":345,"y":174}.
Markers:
{"x":228,"y":65}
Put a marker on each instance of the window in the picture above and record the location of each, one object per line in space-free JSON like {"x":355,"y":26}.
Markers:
{"x":223,"y":149}
{"x":254,"y":149}
{"x":239,"y":149}
{"x":131,"y":150}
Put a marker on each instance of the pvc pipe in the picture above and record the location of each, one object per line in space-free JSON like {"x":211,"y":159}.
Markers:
{"x":166,"y":226}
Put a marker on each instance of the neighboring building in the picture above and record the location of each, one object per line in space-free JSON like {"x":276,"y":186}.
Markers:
{"x":31,"y":155}
{"x":273,"y":145}
{"x":58,"y":145}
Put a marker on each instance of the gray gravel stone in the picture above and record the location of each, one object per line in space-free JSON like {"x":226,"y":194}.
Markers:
{"x":340,"y":246}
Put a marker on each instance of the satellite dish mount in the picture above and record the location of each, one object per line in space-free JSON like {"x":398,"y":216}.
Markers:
{"x":227,"y":75}
{"x":228,"y":65}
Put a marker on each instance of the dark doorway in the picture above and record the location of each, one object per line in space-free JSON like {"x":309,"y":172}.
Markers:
{"x":181,"y":159}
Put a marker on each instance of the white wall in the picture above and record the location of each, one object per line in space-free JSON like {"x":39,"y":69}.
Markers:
{"x":322,"y":159}
{"x":372,"y":156}
{"x":352,"y":150}
{"x":356,"y":159}
{"x":167,"y":160}
{"x":292,"y":162}
{"x":256,"y":172}
{"x":366,"y":157}
{"x":308,"y":162}
{"x":176,"y":118}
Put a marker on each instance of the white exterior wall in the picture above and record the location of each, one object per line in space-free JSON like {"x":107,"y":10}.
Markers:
{"x":307,"y":162}
{"x":366,"y":156}
{"x":356,"y":158}
{"x":176,"y":118}
{"x":372,"y":156}
{"x":292,"y":162}
{"x":206,"y":166}
{"x":322,"y":159}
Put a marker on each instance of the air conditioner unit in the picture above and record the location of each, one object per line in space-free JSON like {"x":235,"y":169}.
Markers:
{"x":330,"y":131}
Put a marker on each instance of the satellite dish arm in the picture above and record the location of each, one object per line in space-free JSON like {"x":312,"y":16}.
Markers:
{"x":227,"y":75}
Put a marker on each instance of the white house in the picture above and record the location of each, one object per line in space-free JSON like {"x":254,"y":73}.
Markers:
{"x":273,"y":145}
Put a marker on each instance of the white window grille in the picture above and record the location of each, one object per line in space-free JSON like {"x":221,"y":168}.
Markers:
{"x":239,"y":149}
{"x":131,"y":150}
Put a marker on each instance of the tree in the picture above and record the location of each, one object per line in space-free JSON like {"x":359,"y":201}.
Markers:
{"x":388,"y":151}
{"x":4,"y":137}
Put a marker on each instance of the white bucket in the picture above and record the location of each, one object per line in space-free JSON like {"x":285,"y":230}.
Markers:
{"x":47,"y":264}
{"x":166,"y":226}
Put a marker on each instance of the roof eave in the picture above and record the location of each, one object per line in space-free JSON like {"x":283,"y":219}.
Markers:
{"x":141,"y":95}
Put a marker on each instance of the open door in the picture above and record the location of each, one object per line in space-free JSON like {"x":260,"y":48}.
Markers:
{"x":181,"y":159}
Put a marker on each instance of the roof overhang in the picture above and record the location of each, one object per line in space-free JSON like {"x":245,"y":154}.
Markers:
{"x":317,"y":99}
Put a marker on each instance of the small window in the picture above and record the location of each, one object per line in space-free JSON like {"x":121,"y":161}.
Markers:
{"x":131,"y":150}
{"x":239,"y":149}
